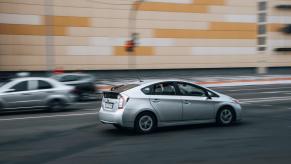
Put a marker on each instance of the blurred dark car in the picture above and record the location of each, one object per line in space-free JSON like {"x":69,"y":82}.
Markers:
{"x":85,"y":87}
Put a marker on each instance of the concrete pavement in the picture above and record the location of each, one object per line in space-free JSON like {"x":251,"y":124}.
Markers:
{"x":74,"y":136}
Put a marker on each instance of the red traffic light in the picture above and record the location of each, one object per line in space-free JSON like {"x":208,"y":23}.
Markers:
{"x":129,"y":46}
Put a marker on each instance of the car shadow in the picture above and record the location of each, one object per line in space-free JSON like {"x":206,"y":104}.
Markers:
{"x":170,"y":129}
{"x":196,"y":127}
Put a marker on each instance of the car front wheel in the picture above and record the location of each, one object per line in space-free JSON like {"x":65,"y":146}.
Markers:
{"x":56,"y":105}
{"x":225,"y":116}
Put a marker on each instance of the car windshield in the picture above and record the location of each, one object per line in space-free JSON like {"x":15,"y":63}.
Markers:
{"x":122,"y":88}
{"x":3,"y":82}
{"x":56,"y":77}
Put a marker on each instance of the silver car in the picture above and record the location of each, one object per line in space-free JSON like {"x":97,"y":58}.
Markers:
{"x":85,"y":84}
{"x":149,"y":105}
{"x":32,"y":92}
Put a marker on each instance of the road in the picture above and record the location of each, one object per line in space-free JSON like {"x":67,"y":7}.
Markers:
{"x":76,"y":136}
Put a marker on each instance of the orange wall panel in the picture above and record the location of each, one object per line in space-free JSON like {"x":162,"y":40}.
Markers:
{"x":209,"y":2}
{"x":67,"y":21}
{"x":12,"y":29}
{"x":274,"y":27}
{"x":139,"y":51}
{"x":171,"y":7}
{"x":229,"y":26}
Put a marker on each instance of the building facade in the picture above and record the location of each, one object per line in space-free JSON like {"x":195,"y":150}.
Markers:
{"x":39,"y":35}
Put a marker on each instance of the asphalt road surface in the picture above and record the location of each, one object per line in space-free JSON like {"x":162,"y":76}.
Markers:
{"x":76,"y":136}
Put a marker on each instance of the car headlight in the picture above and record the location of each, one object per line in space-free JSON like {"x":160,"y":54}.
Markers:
{"x":235,"y":101}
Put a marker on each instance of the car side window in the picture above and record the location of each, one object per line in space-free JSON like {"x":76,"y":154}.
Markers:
{"x":22,"y":86}
{"x":70,"y":78}
{"x":190,"y":90}
{"x":167,"y":88}
{"x":44,"y":85}
{"x":146,"y":90}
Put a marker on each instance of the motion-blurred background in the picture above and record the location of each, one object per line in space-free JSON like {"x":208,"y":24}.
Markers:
{"x":78,"y":35}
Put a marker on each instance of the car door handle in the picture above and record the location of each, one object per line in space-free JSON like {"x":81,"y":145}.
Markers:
{"x":156,"y":100}
{"x":187,"y":102}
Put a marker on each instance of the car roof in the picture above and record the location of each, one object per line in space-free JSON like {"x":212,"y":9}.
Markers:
{"x":153,"y":81}
{"x":31,"y":78}
{"x":74,"y":74}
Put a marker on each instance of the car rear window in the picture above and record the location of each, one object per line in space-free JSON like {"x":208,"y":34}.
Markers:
{"x":122,"y":88}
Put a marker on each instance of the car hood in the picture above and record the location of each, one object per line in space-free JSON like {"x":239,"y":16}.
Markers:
{"x":226,"y":98}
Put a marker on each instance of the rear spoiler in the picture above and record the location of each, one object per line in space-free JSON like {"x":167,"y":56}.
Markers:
{"x":110,"y":94}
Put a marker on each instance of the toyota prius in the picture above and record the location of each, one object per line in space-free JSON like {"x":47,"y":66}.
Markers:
{"x":148,"y":105}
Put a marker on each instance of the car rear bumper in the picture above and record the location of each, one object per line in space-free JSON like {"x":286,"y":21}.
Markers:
{"x":111,"y":117}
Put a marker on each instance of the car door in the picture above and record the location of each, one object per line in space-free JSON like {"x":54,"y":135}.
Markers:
{"x":40,"y":90}
{"x":166,"y":102}
{"x":18,"y":95}
{"x":196,"y":104}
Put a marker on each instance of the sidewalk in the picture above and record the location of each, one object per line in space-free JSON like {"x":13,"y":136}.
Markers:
{"x":214,"y":81}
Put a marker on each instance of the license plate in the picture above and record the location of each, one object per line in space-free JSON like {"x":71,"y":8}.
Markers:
{"x":109,"y":105}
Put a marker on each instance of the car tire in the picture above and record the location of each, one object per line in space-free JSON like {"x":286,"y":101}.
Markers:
{"x":56,"y":105}
{"x":145,"y":123}
{"x":1,"y":107}
{"x":225,"y":116}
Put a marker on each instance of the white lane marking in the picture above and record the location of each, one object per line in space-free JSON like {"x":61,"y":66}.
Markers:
{"x":51,"y":116}
{"x":254,"y":89}
{"x":266,"y":105}
{"x":90,"y":109}
{"x":277,"y":92}
{"x":264,"y":100}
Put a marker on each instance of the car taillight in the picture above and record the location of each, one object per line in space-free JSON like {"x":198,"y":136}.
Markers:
{"x":122,"y":100}
{"x":74,"y":91}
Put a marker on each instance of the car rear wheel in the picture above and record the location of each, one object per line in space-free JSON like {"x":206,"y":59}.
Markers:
{"x":145,"y":123}
{"x":56,"y":105}
{"x":225,"y":116}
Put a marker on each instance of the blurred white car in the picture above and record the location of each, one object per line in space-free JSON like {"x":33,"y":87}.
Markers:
{"x":34,"y":92}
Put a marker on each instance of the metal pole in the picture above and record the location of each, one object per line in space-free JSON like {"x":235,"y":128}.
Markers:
{"x":131,"y":33}
{"x":50,"y":51}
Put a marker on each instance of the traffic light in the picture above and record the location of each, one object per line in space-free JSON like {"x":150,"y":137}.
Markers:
{"x":132,"y":43}
{"x":129,"y":46}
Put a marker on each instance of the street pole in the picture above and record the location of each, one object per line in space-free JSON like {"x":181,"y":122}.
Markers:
{"x":133,"y":34}
{"x":50,"y":51}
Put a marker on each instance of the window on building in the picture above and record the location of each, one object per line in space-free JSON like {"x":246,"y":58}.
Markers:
{"x":262,"y":6}
{"x":262,"y":26}
{"x":262,"y":29}
{"x":261,"y":41}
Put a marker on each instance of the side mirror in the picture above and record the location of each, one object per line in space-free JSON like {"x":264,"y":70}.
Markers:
{"x":208,"y":95}
{"x":10,"y":90}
